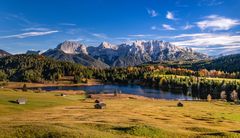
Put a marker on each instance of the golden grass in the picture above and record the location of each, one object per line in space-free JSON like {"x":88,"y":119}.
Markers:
{"x":70,"y":116}
{"x":208,"y":78}
{"x":49,"y":83}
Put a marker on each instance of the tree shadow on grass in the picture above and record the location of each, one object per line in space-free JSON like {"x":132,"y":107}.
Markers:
{"x":11,"y":101}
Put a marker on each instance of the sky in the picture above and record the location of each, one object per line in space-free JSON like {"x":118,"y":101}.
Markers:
{"x":208,"y":26}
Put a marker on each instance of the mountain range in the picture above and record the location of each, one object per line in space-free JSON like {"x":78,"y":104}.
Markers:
{"x":109,"y":55}
{"x":136,"y":53}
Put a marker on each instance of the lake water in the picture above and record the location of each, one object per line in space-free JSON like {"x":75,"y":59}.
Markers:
{"x":128,"y":89}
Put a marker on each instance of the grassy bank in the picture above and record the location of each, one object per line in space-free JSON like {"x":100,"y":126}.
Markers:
{"x":207,"y":78}
{"x":13,"y":85}
{"x":49,"y":115}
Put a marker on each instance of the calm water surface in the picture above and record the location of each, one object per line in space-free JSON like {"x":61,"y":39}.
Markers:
{"x":128,"y":89}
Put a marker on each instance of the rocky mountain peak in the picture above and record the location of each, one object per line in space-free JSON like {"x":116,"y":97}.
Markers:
{"x":71,"y":47}
{"x":131,"y":54}
{"x":106,"y":45}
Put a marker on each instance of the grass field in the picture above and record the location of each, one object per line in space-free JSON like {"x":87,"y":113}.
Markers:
{"x":45,"y":84}
{"x":49,"y":115}
{"x":215,"y":79}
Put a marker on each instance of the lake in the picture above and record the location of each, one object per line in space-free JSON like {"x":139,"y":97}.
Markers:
{"x":127,"y":89}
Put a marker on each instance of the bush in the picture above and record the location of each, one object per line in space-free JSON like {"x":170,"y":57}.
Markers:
{"x":24,"y":88}
{"x":223,"y":95}
{"x":234,"y":96}
{"x":209,"y":98}
{"x":3,"y":75}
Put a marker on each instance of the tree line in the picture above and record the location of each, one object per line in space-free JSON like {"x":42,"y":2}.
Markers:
{"x":33,"y":68}
{"x":190,"y":82}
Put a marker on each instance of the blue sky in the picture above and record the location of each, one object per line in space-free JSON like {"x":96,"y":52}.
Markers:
{"x":208,"y":26}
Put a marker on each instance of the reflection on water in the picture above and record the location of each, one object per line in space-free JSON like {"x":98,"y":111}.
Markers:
{"x":128,"y":89}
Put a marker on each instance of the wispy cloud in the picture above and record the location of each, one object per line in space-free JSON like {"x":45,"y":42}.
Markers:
{"x":209,"y":41}
{"x":155,"y":28}
{"x":134,"y":37}
{"x":29,"y":34}
{"x":187,"y":26}
{"x":210,"y":2}
{"x":35,"y":29}
{"x":16,"y":17}
{"x":68,"y":24}
{"x":170,"y":16}
{"x":215,"y":22}
{"x":168,"y":27}
{"x":141,"y":35}
{"x":100,"y":35}
{"x":152,"y":12}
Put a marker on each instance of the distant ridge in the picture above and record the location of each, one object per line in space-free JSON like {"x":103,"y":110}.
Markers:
{"x":74,"y":52}
{"x":109,"y":55}
{"x":4,"y":53}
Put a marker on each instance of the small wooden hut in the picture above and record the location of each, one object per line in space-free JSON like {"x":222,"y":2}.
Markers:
{"x":100,"y":106}
{"x":21,"y":101}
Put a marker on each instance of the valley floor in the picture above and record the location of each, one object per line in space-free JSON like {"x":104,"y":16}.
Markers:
{"x":51,"y":115}
{"x":14,"y":85}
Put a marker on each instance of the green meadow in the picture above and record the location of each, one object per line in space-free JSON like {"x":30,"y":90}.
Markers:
{"x":51,"y":115}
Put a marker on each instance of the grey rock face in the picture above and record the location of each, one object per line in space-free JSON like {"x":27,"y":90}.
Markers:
{"x":70,"y":47}
{"x":122,"y":55}
{"x":142,"y":51}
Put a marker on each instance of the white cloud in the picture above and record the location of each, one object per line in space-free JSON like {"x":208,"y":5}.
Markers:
{"x":204,"y":42}
{"x":187,"y":27}
{"x":192,"y":35}
{"x":170,"y":16}
{"x":68,"y":24}
{"x":141,"y":35}
{"x":35,"y":29}
{"x":100,"y":35}
{"x":152,"y":12}
{"x":208,"y":39}
{"x":29,"y":34}
{"x":168,"y":27}
{"x":215,"y":22}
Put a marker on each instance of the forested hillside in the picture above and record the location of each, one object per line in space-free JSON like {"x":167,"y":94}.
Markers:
{"x":228,"y":63}
{"x":33,"y":68}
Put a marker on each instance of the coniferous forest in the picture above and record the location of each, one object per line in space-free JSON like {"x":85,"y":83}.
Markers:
{"x":32,"y":68}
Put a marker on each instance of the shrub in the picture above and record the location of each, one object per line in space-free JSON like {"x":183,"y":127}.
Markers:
{"x":209,"y":98}
{"x":24,"y":88}
{"x":3,"y":75}
{"x":234,"y":96}
{"x":223,"y":95}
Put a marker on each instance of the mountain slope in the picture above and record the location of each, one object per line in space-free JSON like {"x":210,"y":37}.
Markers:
{"x":4,"y":53}
{"x":122,"y":55}
{"x":140,"y":52}
{"x":105,"y":52}
{"x":229,"y":63}
{"x":74,"y":52}
{"x":36,"y":68}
